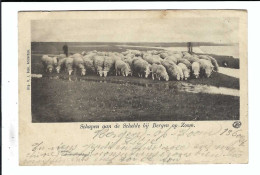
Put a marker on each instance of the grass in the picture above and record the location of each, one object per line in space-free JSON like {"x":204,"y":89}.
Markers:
{"x":218,"y":80}
{"x":58,"y":100}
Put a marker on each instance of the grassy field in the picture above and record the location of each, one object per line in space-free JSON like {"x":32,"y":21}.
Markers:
{"x":58,"y":100}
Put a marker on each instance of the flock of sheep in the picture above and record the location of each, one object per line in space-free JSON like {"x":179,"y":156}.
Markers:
{"x":166,"y":65}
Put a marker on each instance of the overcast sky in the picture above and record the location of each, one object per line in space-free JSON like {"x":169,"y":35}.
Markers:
{"x":218,"y":30}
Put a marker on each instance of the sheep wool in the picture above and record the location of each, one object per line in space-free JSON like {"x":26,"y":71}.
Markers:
{"x":108,"y":64}
{"x":185,"y":70}
{"x":206,"y":67}
{"x":69,"y":65}
{"x":195,"y":67}
{"x":172,"y":58}
{"x":212,"y":60}
{"x":159,"y":72}
{"x":186,"y":62}
{"x":48,"y":63}
{"x":122,"y":68}
{"x":180,"y":72}
{"x":60,"y":64}
{"x":98,"y":64}
{"x":141,"y":67}
{"x":78,"y":63}
{"x":89,"y":64}
{"x":152,"y":59}
{"x":172,"y":69}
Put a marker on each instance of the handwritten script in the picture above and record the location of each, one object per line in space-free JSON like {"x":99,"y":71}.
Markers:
{"x":165,"y":146}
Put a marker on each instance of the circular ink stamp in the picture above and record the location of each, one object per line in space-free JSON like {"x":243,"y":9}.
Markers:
{"x":237,"y":124}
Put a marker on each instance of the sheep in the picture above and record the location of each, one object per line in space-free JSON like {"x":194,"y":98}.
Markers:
{"x":212,"y":60}
{"x":61,"y":56}
{"x":129,"y":55}
{"x":108,"y":65}
{"x":89,"y":64}
{"x":129,"y":61}
{"x":163,"y":55}
{"x":101,"y":53}
{"x":195,"y":67}
{"x":172,"y":69}
{"x":60,"y":65}
{"x":172,"y":58}
{"x":152,"y":59}
{"x":55,"y":61}
{"x":69,"y":64}
{"x":186,"y":62}
{"x":206,"y":67}
{"x":98,"y":64}
{"x":141,"y":67}
{"x":78,"y":64}
{"x":122,"y":68}
{"x":119,"y":54}
{"x":178,"y":56}
{"x":83,"y":53}
{"x":186,"y":54}
{"x":191,"y":59}
{"x":91,"y":55}
{"x":185,"y":70}
{"x":124,"y":53}
{"x":76,"y":55}
{"x":152,"y":52}
{"x":159,"y":71}
{"x":180,"y":72}
{"x":48,"y":63}
{"x":135,"y":52}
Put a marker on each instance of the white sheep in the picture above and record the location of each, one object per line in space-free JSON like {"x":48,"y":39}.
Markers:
{"x":84,"y":53}
{"x":60,"y":64}
{"x":122,"y":68}
{"x":206,"y":67}
{"x":69,"y":64}
{"x":212,"y":60}
{"x":191,"y":58}
{"x":180,"y":72}
{"x":164,"y":55}
{"x":78,"y":64}
{"x":185,"y":70}
{"x":186,"y":62}
{"x":152,"y":59}
{"x":135,"y":52}
{"x":129,"y":61}
{"x":101,"y":53}
{"x":172,"y":69}
{"x":108,"y":65}
{"x":61,"y":56}
{"x":141,"y":67}
{"x":76,"y":55}
{"x":195,"y":67}
{"x":172,"y":58}
{"x":186,"y":54}
{"x":89,"y":64}
{"x":48,"y":63}
{"x":98,"y":64}
{"x":177,"y":56}
{"x":159,"y":72}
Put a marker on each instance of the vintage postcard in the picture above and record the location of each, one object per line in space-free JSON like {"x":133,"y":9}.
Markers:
{"x":133,"y":87}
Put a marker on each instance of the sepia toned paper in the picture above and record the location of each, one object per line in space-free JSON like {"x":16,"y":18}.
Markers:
{"x":93,"y":120}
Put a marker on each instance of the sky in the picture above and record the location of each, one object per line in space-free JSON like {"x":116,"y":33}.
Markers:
{"x":217,"y":30}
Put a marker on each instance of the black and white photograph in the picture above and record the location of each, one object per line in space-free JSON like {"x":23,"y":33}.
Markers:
{"x":136,"y":69}
{"x":133,"y":87}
